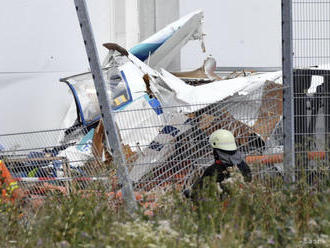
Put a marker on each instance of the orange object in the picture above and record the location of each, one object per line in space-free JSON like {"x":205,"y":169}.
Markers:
{"x":138,"y":196}
{"x":150,"y":205}
{"x":119,"y":195}
{"x":50,"y":187}
{"x":9,"y":188}
{"x":179,"y":176}
{"x":316,"y":155}
{"x":264,"y":159}
{"x":278,"y":158}
{"x":149,"y":213}
{"x":225,"y":204}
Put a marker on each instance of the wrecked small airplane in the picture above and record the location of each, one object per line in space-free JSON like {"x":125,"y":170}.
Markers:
{"x":170,"y":108}
{"x":157,"y":111}
{"x":164,"y":119}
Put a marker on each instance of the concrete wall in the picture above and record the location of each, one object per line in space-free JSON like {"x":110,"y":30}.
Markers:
{"x":118,"y":22}
{"x":147,"y":18}
{"x":40,"y":43}
{"x":155,"y":15}
{"x":239,"y":32}
{"x":133,"y":21}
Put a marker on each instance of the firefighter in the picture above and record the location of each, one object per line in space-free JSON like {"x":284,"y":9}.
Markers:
{"x":225,"y":155}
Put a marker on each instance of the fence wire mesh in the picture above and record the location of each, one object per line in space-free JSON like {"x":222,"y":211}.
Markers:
{"x":55,"y":160}
{"x":311,"y":84}
{"x":172,"y":149}
{"x":179,"y":151}
{"x":160,"y":151}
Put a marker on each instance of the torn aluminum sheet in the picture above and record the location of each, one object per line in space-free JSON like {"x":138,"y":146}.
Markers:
{"x":206,"y":73}
{"x":162,"y":146}
{"x":215,"y":91}
{"x":242,"y":112}
{"x":128,"y":91}
{"x":170,"y":158}
{"x":81,"y":152}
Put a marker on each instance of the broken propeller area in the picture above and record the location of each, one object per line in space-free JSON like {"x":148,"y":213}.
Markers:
{"x":116,"y":47}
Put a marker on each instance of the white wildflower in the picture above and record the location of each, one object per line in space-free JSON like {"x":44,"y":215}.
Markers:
{"x":312,"y":223}
{"x":293,"y":230}
{"x":228,"y":181}
{"x":166,"y":228}
{"x":219,"y":189}
{"x":153,"y":246}
{"x":324,"y":239}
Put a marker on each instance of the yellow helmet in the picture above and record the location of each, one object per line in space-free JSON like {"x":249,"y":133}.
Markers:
{"x":223,"y":139}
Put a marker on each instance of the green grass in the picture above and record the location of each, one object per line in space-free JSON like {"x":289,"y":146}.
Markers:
{"x":248,"y":216}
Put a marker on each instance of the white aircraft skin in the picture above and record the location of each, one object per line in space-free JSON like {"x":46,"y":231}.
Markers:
{"x":132,"y":96}
{"x":217,"y":90}
{"x":134,"y":105}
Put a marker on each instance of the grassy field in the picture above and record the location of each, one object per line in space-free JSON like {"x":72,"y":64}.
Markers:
{"x":248,"y":216}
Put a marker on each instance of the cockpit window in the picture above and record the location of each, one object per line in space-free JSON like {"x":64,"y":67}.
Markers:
{"x":84,"y":92}
{"x":119,"y":90}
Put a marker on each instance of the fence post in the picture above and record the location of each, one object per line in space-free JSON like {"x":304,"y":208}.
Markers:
{"x":288,"y":103}
{"x":105,"y":107}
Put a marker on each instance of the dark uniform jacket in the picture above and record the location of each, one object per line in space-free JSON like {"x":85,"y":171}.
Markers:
{"x":224,"y":160}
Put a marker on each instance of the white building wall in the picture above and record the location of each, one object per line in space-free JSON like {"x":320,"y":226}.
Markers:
{"x":147,"y":18}
{"x":40,"y":43}
{"x":155,"y":15}
{"x":133,"y":21}
{"x":238,"y":33}
{"x":118,"y":22}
